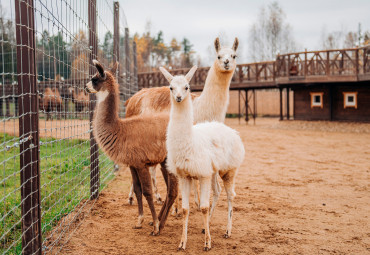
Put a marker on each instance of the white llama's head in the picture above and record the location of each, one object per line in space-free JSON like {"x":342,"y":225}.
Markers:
{"x":226,"y":56}
{"x":179,"y":84}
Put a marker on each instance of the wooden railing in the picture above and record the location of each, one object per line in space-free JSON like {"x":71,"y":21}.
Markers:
{"x":299,"y":67}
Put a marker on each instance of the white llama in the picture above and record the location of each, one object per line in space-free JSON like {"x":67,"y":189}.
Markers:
{"x":200,"y":152}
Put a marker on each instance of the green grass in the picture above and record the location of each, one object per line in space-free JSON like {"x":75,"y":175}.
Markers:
{"x":65,"y":182}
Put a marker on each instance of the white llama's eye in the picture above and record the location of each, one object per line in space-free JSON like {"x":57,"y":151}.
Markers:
{"x":234,"y":56}
{"x":186,"y":88}
{"x":171,"y":88}
{"x":219,"y":57}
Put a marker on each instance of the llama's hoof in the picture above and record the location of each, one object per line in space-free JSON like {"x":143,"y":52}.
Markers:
{"x":203,"y":231}
{"x":153,"y":233}
{"x":150,"y":223}
{"x":226,"y":236}
{"x":181,"y":247}
{"x":137,"y":227}
{"x":174,"y":212}
{"x":159,"y":201}
{"x":130,"y":200}
{"x":206,"y":249}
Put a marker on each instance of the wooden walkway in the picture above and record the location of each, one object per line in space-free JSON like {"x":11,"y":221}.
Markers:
{"x":308,"y":67}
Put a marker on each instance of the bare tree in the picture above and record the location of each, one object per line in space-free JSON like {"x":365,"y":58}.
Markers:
{"x":342,"y":39}
{"x":270,"y":35}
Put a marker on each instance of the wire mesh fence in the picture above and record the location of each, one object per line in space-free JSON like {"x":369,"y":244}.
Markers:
{"x":51,"y":168}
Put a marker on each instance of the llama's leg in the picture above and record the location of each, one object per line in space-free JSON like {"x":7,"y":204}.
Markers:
{"x":196,"y":193}
{"x":131,"y":194}
{"x":153,"y":171}
{"x":205,"y":190}
{"x":228,"y":179}
{"x":171,"y":196}
{"x":146,"y":186}
{"x":175,"y":208}
{"x":166,"y":180}
{"x":172,"y":190}
{"x":185,"y":185}
{"x":139,"y":198}
{"x":216,"y":188}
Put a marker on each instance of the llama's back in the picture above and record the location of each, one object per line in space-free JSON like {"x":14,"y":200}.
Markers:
{"x":224,"y":144}
{"x":150,"y":101}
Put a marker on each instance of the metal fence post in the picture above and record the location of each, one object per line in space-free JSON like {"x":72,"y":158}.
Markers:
{"x":28,"y":128}
{"x":127,"y":64}
{"x":94,"y":149}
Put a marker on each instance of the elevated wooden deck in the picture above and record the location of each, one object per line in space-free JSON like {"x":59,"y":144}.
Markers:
{"x":308,"y":67}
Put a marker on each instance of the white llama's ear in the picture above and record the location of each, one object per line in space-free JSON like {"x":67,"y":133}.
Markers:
{"x":99,"y":67}
{"x":113,"y":70}
{"x":236,"y":44}
{"x":166,"y":74}
{"x":190,"y":74}
{"x":217,"y":45}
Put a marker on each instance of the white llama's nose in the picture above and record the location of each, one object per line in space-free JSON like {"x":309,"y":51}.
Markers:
{"x":178,"y":98}
{"x":226,"y":61}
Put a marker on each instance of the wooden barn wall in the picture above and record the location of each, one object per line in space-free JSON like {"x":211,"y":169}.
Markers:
{"x":303,"y":110}
{"x":362,"y":113}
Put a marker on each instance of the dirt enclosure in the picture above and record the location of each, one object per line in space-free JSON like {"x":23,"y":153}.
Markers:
{"x":302,"y":189}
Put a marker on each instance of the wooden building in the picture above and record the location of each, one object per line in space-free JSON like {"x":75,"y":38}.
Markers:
{"x":334,"y":101}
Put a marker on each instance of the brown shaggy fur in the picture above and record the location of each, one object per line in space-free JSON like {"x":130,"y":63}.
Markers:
{"x":52,"y":101}
{"x":81,"y":100}
{"x":155,"y":100}
{"x":138,"y":142}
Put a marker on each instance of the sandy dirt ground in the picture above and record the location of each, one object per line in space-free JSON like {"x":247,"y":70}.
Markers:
{"x":303,"y":189}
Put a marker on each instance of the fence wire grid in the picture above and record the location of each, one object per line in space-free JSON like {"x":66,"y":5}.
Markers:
{"x":49,"y":162}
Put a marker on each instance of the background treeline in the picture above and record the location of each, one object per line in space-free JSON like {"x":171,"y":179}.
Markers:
{"x":60,"y":56}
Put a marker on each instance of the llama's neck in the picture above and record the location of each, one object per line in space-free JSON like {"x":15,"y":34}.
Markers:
{"x":212,"y":103}
{"x":181,"y":121}
{"x":106,"y":111}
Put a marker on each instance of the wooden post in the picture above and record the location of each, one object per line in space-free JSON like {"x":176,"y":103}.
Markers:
{"x":116,"y":35}
{"x":364,"y":63}
{"x":254,"y":107}
{"x":136,"y":85}
{"x":246,"y":106}
{"x":288,"y":66}
{"x":327,"y":63}
{"x":28,"y":128}
{"x":287,"y":103}
{"x":127,"y":65}
{"x":357,"y":64}
{"x":281,"y":103}
{"x":94,"y":149}
{"x":239,"y":105}
{"x":305,"y":64}
{"x":331,"y":102}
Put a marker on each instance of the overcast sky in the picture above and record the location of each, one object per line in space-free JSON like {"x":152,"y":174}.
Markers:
{"x":201,"y":21}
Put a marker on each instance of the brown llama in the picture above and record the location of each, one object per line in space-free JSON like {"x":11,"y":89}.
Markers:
{"x":139,"y":142}
{"x":81,"y":101}
{"x":211,"y":105}
{"x":51,"y":102}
